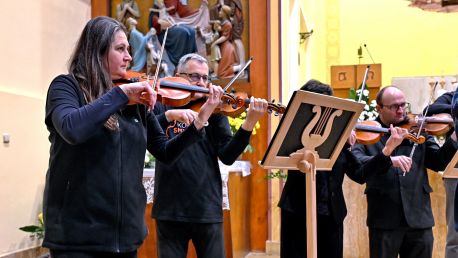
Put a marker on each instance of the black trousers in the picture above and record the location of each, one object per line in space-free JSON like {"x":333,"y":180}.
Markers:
{"x":405,"y":241}
{"x":293,"y":236}
{"x":83,"y":254}
{"x":173,"y":238}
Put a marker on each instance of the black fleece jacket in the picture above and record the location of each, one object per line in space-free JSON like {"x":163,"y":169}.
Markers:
{"x":94,"y":199}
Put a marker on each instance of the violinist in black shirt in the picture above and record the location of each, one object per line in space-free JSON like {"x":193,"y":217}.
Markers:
{"x":188,"y":197}
{"x":399,"y":214}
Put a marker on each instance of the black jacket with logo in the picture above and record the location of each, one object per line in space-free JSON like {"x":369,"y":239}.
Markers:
{"x":190,"y":190}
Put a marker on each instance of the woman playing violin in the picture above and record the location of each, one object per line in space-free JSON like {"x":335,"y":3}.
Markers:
{"x":399,"y":214}
{"x":94,"y":200}
{"x":188,"y":196}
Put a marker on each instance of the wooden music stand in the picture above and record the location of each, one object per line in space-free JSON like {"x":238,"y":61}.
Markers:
{"x":310,"y":137}
{"x":452,"y":168}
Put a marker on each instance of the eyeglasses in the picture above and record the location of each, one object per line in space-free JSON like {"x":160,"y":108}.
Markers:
{"x":195,"y":77}
{"x":395,"y":107}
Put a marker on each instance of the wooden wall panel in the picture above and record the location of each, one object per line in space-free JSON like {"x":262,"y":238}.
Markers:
{"x":238,"y":221}
{"x":100,"y":8}
{"x":258,"y":195}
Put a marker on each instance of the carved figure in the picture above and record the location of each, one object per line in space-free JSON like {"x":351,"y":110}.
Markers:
{"x":237,"y":25}
{"x":228,"y":63}
{"x":180,"y":9}
{"x":182,"y":38}
{"x":127,"y":9}
{"x":165,"y":20}
{"x":153,"y":49}
{"x":215,"y":51}
{"x":137,"y":43}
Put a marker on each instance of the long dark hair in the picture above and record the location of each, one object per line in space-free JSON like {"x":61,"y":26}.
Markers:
{"x":87,"y":61}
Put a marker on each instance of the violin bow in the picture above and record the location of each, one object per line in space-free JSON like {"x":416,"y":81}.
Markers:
{"x":159,"y":61}
{"x":422,"y":122}
{"x":364,"y":83}
{"x":238,"y":74}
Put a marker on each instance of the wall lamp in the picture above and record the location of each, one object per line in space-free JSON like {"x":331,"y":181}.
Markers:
{"x":304,"y":35}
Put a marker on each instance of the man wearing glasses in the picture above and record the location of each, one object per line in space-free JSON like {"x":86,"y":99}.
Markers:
{"x":399,"y":214}
{"x":188,"y":194}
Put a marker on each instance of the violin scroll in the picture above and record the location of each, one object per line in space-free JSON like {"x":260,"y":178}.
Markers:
{"x":420,"y":140}
{"x":277,"y":109}
{"x":233,"y":104}
{"x":242,"y":103}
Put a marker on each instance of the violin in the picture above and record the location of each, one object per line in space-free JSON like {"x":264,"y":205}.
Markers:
{"x":173,"y":91}
{"x":370,"y":132}
{"x":178,"y":92}
{"x":232,"y":104}
{"x":438,"y":124}
{"x":242,"y":102}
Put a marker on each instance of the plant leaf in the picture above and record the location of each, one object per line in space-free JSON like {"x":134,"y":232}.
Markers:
{"x":31,"y":229}
{"x":352,"y":94}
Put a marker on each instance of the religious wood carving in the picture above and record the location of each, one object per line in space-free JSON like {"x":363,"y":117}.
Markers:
{"x":216,"y":29}
{"x":444,"y":6}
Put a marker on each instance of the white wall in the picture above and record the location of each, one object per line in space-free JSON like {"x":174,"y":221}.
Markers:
{"x":37,"y":40}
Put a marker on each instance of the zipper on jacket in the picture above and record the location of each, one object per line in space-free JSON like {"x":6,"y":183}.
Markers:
{"x":118,"y":195}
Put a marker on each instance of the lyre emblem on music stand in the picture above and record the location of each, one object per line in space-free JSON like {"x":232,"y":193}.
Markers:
{"x":317,"y":131}
{"x":312,"y":123}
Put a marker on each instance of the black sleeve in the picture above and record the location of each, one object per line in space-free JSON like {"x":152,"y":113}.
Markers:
{"x":352,"y":166}
{"x":168,"y":150}
{"x":159,"y":110}
{"x":436,"y":157}
{"x":369,"y":165}
{"x":443,"y":104}
{"x":228,"y":147}
{"x":72,"y":120}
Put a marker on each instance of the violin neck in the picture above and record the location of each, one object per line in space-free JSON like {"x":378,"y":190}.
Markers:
{"x":374,"y":129}
{"x":182,"y":86}
{"x":433,"y":120}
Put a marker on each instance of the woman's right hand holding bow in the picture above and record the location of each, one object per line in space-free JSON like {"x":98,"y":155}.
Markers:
{"x":140,"y":93}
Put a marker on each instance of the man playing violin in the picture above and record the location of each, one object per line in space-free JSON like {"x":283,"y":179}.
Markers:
{"x":399,"y":214}
{"x":188,"y":194}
